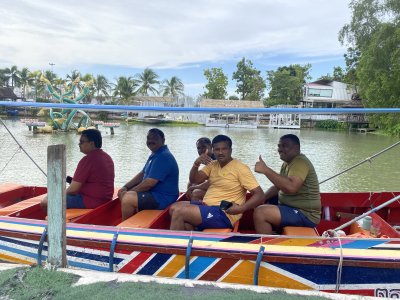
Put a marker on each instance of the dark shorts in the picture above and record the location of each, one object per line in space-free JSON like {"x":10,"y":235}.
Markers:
{"x":212,"y":217}
{"x":291,"y":216}
{"x":147,"y":201}
{"x":75,"y":201}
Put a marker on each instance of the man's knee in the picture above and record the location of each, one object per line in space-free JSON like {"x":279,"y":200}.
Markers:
{"x":267,"y":213}
{"x":129,"y":199}
{"x":43,"y":203}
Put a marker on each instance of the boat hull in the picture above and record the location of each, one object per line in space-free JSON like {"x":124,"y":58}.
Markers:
{"x":350,"y":265}
{"x":368,"y":267}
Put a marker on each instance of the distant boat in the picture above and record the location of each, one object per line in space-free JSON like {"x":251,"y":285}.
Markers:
{"x":212,"y":122}
{"x":153,"y":120}
{"x":12,"y":112}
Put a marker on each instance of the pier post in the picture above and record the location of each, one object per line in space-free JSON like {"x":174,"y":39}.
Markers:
{"x":56,"y":171}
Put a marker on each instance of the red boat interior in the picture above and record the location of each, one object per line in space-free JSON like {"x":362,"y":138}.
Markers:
{"x":337,"y":209}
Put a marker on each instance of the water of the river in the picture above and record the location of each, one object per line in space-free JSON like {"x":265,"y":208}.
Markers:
{"x":330,"y":152}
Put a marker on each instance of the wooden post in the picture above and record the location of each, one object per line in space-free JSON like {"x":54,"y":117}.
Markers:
{"x":56,"y":171}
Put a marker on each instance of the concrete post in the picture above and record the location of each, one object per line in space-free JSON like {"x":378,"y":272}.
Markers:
{"x":56,"y":171}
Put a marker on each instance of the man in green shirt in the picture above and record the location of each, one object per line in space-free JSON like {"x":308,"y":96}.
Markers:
{"x":297,"y":189}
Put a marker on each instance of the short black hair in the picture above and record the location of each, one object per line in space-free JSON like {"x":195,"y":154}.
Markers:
{"x":204,"y":140}
{"x":93,"y":135}
{"x":291,"y":137}
{"x":158,"y":132}
{"x":222,"y":138}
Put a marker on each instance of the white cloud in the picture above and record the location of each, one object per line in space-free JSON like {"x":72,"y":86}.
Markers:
{"x":165,"y":34}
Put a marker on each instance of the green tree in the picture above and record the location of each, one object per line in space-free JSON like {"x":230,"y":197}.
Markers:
{"x":25,"y":80}
{"x":12,"y":75}
{"x":338,"y":75}
{"x":217,"y":83}
{"x":124,"y":89}
{"x":101,"y":87}
{"x":373,"y":36}
{"x":172,"y":88}
{"x":146,"y":82}
{"x":37,"y":83}
{"x":286,"y":84}
{"x":250,"y":84}
{"x":3,"y":77}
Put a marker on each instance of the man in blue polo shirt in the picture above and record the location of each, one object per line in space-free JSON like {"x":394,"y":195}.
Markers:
{"x":156,"y":186}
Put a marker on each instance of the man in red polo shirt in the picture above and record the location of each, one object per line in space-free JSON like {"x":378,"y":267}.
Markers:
{"x":93,"y":181}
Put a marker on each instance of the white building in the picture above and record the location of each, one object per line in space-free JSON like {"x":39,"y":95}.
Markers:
{"x":327,"y":94}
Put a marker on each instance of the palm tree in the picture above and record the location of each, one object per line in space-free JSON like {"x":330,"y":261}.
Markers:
{"x":13,"y":74}
{"x":101,"y":86}
{"x":25,"y":80}
{"x":72,"y":78}
{"x":36,"y":82}
{"x":125,"y":88}
{"x":3,"y":77}
{"x":173,"y":87}
{"x":51,"y":76}
{"x":146,"y":80}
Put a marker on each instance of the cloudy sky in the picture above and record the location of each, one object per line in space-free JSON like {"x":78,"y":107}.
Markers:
{"x":173,"y":37}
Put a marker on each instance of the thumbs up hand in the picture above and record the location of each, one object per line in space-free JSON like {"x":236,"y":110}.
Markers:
{"x":260,"y":166}
{"x":204,"y":159}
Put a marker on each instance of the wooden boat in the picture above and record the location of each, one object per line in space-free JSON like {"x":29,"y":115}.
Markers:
{"x":299,"y":258}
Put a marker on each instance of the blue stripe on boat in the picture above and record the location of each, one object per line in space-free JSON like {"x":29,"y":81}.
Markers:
{"x":198,"y":266}
{"x":362,"y":244}
{"x":154,"y":264}
{"x":73,"y":253}
{"x":322,"y":274}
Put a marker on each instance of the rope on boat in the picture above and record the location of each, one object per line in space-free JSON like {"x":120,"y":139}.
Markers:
{"x":340,"y":266}
{"x":22,"y":148}
{"x":257,"y":265}
{"x":363,"y":215}
{"x":5,"y":166}
{"x":336,"y":234}
{"x":369,"y":159}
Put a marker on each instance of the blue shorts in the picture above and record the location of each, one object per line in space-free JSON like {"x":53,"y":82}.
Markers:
{"x":146,"y":200}
{"x":75,"y":201}
{"x":291,"y":216}
{"x":212,"y":217}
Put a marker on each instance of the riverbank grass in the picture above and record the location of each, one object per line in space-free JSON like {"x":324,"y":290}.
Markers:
{"x":37,"y":283}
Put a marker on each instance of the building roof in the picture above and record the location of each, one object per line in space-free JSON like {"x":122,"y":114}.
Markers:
{"x":7,"y":93}
{"x":154,"y":99}
{"x":230,"y":103}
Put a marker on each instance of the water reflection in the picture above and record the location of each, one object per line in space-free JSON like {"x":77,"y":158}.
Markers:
{"x":331,"y":152}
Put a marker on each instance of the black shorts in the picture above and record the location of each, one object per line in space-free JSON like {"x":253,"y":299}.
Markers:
{"x":147,"y":201}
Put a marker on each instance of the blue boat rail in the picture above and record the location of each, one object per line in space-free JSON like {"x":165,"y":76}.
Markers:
{"x":201,"y":110}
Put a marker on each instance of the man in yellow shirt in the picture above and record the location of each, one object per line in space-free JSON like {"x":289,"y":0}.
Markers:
{"x":229,"y":180}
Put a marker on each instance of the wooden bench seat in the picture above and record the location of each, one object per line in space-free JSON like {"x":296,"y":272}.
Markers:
{"x":21,"y":205}
{"x":223,"y":230}
{"x":142,"y":219}
{"x":73,"y":213}
{"x":299,"y":231}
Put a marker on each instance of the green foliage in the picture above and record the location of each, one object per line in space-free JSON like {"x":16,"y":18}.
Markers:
{"x":217,"y":83}
{"x":374,"y":34}
{"x":331,"y":125}
{"x":338,"y":75}
{"x":146,"y":82}
{"x":233,"y":97}
{"x":286,"y":84}
{"x":250,"y":84}
{"x":172,"y":88}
